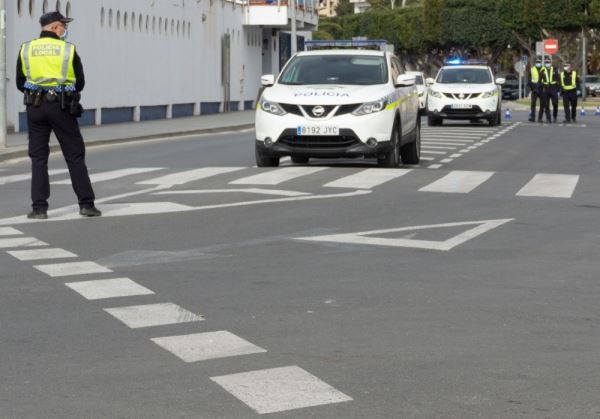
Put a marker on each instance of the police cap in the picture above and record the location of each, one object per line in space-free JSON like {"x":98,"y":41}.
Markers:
{"x":52,"y":17}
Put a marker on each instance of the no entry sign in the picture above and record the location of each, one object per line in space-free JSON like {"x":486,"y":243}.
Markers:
{"x":550,"y":46}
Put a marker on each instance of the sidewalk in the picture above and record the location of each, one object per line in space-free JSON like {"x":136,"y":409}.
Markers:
{"x":132,"y":131}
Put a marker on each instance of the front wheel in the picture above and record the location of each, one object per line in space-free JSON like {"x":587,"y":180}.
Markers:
{"x":392,"y":158}
{"x":263,"y":160}
{"x":411,"y":152}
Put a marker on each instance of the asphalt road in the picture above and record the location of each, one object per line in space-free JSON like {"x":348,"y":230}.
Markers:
{"x":466,"y":287}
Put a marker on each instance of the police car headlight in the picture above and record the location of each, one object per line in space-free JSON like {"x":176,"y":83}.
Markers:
{"x":272,"y":107}
{"x":370,"y":107}
{"x":491,"y":93}
{"x":435,"y":93}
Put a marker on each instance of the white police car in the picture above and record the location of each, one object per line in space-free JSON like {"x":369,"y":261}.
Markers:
{"x":339,"y":103}
{"x":465,"y":91}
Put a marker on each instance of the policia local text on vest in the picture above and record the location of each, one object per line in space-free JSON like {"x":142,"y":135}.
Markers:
{"x":50,"y":74}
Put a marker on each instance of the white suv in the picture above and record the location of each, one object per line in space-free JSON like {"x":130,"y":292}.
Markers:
{"x":466,"y":92}
{"x":339,"y":103}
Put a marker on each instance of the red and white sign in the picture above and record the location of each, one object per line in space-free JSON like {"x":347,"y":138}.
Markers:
{"x":550,"y":46}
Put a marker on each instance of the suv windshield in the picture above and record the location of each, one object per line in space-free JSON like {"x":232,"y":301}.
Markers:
{"x":464,"y":75}
{"x":335,"y":69}
{"x":592,"y":79}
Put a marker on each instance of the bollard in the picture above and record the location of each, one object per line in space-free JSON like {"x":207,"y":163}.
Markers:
{"x":582,"y":112}
{"x":597,"y":111}
{"x":507,"y":114}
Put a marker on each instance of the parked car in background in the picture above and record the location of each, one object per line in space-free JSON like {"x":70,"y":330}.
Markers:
{"x":592,"y":85}
{"x":510,"y":89}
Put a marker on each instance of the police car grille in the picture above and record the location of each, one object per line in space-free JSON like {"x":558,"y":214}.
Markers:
{"x":346,"y":138}
{"x":326,"y":110}
{"x":293,"y":109}
{"x":474,"y":110}
{"x":465,"y":96}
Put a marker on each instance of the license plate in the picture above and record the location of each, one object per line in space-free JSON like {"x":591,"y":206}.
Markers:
{"x":462,"y":106}
{"x":317,"y":130}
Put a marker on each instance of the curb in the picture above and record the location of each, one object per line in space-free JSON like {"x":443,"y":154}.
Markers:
{"x":22,"y":150}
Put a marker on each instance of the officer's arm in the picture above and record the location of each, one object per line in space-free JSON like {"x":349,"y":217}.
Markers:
{"x":79,"y":75}
{"x":21,"y":78}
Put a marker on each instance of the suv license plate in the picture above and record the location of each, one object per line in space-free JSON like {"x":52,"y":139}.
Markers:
{"x":317,"y":130}
{"x":462,"y":106}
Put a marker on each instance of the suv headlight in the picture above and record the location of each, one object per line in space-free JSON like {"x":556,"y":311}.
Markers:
{"x":272,"y":107}
{"x":435,"y":93}
{"x":370,"y":107}
{"x":491,"y":93}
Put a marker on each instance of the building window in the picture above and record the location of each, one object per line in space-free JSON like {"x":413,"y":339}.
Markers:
{"x":110,"y":18}
{"x":160,"y":25}
{"x":19,"y":4}
{"x":118,"y":19}
{"x":102,"y":17}
{"x":147,"y":23}
{"x":44,"y":7}
{"x":57,"y":5}
{"x":31,"y":7}
{"x":172,"y":27}
{"x":178,"y":28}
{"x":125,"y":20}
{"x":68,"y":10}
{"x":132,"y":21}
{"x":153,"y":24}
{"x":141,"y":23}
{"x":189,"y":30}
{"x":166,"y":25}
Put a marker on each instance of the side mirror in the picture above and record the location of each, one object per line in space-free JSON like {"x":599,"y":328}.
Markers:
{"x":429,"y":81}
{"x":500,"y":81}
{"x":405,"y":80}
{"x":267,"y":80}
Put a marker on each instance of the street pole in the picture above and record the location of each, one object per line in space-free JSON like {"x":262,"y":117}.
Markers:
{"x":2,"y":74}
{"x":583,"y":64}
{"x":294,"y":44}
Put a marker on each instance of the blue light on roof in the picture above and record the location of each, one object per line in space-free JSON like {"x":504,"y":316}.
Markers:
{"x":454,"y":61}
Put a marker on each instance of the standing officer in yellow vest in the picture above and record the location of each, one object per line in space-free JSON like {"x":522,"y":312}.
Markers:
{"x":551,"y":88}
{"x":536,"y":84}
{"x":569,"y":83}
{"x":50,"y":74}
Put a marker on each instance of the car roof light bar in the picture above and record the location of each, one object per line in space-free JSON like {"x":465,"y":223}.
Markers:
{"x":373,"y":44}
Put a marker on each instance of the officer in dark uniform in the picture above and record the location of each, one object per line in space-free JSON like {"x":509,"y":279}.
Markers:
{"x":551,"y":88}
{"x":536,"y":84}
{"x":569,"y":84}
{"x":50,"y":74}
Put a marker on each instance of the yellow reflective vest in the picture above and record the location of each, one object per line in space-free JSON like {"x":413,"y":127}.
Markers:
{"x":48,"y":62}
{"x":573,"y":83}
{"x":535,"y":74}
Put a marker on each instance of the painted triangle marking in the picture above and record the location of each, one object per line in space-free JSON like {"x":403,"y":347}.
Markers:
{"x":367,"y":237}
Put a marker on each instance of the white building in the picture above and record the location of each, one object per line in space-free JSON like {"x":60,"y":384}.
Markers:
{"x":153,"y":59}
{"x":360,"y":6}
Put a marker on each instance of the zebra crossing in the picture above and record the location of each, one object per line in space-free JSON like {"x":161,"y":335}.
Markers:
{"x":257,"y":181}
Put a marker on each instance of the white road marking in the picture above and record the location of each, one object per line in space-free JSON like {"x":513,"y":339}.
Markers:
{"x":204,"y":346}
{"x":367,"y":179}
{"x":427,"y":158}
{"x":72,"y":268}
{"x":464,"y":150}
{"x":458,"y":181}
{"x":365,"y":237}
{"x":187,"y":176}
{"x":20,"y":242}
{"x":277,"y":176}
{"x":119,"y":210}
{"x":108,"y":288}
{"x":153,"y":315}
{"x":434,"y":166}
{"x":38,"y":254}
{"x":433,"y":152}
{"x":455,"y":155}
{"x":260,"y":191}
{"x":27,"y":176}
{"x":9,"y":231}
{"x":280,"y":389}
{"x":437,"y":147}
{"x":446,"y":160}
{"x":113,"y":174}
{"x":448,"y":142}
{"x":550,"y":186}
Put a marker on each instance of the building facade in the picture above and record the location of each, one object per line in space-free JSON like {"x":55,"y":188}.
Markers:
{"x":154,"y":59}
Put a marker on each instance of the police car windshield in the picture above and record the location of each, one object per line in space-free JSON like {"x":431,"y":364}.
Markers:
{"x":335,"y":69}
{"x":464,"y":75}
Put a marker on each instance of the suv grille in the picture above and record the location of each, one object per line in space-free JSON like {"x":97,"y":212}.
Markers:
{"x":346,"y":138}
{"x":465,"y":96}
{"x":342,"y":110}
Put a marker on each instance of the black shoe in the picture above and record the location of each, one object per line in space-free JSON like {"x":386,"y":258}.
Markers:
{"x":90,"y":212}
{"x":566,"y":121}
{"x":574,"y":120}
{"x":554,"y":120}
{"x":531,"y":119}
{"x":548,"y":121}
{"x":37,"y":215}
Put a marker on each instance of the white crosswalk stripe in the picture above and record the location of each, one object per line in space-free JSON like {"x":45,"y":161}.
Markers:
{"x":108,"y":288}
{"x":20,"y":242}
{"x":9,"y":231}
{"x":149,"y":315}
{"x":280,"y":389}
{"x":445,"y":141}
{"x":277,"y":176}
{"x":187,"y":176}
{"x":550,"y":186}
{"x":432,"y":152}
{"x":367,"y":179}
{"x":113,"y":174}
{"x":458,"y":181}
{"x":204,"y":346}
{"x":27,"y":176}
{"x":437,"y":147}
{"x":72,"y":268}
{"x":39,"y":254}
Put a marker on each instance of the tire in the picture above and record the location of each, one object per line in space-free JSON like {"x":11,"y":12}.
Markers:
{"x":263,"y":160}
{"x":411,"y":152}
{"x":299,"y":159}
{"x":496,"y":119}
{"x":432,"y":121}
{"x":392,"y":159}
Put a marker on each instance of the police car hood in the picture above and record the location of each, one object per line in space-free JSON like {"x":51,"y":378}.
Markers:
{"x":463,"y":87}
{"x":325,"y":94}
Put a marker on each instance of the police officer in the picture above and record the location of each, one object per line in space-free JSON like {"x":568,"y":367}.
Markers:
{"x":50,"y":74}
{"x":569,"y":83}
{"x":551,"y":88}
{"x":536,"y":84}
